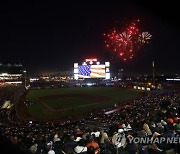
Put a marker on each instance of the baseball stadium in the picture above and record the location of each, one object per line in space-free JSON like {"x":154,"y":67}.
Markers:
{"x":57,"y":104}
{"x":60,"y":103}
{"x":83,"y":114}
{"x":89,"y":77}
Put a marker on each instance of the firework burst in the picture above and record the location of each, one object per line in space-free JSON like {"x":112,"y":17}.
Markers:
{"x":127,"y":42}
{"x":144,"y":37}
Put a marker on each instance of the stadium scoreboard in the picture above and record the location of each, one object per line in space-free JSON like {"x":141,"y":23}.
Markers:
{"x":91,"y":68}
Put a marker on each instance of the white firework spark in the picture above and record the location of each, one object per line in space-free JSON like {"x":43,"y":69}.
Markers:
{"x":144,"y":37}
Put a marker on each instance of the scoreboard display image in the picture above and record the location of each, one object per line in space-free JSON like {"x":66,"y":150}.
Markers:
{"x":91,"y":71}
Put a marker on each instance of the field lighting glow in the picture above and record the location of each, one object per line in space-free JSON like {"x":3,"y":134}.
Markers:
{"x":89,"y":84}
{"x":107,"y":64}
{"x":75,"y":65}
{"x":91,"y":62}
{"x":173,"y":79}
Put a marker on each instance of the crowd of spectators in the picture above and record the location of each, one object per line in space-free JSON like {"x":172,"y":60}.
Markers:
{"x":154,"y":115}
{"x":10,"y":92}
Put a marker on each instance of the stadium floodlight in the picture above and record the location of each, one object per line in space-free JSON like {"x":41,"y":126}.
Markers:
{"x":91,"y":62}
{"x":76,"y":76}
{"x":93,"y":59}
{"x":89,"y":84}
{"x":4,"y":74}
{"x":75,"y":65}
{"x":172,"y":79}
{"x":148,"y":89}
{"x":24,"y":78}
{"x":107,"y":69}
{"x":76,"y":70}
{"x":108,"y":76}
{"x":107,"y":64}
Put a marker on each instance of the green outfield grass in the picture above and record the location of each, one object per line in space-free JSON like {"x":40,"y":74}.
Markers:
{"x":63,"y":102}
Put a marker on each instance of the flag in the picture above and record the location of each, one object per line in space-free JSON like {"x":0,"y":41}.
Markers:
{"x":84,"y":70}
{"x":91,"y":71}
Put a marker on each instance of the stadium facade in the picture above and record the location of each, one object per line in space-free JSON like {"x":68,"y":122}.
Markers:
{"x":11,"y":73}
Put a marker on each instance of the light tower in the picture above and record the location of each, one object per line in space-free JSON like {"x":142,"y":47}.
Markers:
{"x":120,"y":74}
{"x":24,"y":78}
{"x":153,"y":73}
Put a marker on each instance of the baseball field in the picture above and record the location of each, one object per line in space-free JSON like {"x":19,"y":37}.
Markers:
{"x":64,"y":102}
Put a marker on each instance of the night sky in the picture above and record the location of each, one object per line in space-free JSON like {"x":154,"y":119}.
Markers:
{"x":48,"y":36}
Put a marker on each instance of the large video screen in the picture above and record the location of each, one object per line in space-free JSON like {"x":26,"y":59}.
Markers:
{"x":91,"y":71}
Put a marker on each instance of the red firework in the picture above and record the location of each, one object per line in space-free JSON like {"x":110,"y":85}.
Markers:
{"x":124,"y":43}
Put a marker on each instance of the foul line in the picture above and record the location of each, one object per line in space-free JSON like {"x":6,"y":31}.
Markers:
{"x":46,"y":105}
{"x":64,"y":108}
